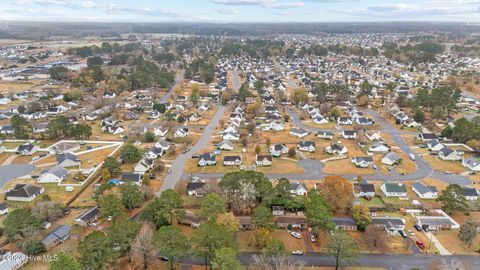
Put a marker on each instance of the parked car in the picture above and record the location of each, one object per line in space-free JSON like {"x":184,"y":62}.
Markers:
{"x":169,"y":171}
{"x":448,"y":172}
{"x":312,"y":238}
{"x":412,"y":157}
{"x":411,"y":233}
{"x":420,"y":244}
{"x":296,"y":235}
{"x":402,"y":233}
{"x":418,"y":228}
{"x":422,"y":145}
{"x":297,"y":252}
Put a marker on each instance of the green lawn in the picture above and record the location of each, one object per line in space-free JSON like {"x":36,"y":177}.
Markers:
{"x":374,"y":202}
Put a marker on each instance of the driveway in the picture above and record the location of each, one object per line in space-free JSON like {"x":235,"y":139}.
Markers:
{"x":177,"y":166}
{"x":10,"y":172}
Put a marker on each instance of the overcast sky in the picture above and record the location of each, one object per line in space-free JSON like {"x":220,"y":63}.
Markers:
{"x":241,"y":10}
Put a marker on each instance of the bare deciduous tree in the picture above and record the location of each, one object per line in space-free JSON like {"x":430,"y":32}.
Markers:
{"x":376,"y":237}
{"x":143,"y":250}
{"x":275,"y":262}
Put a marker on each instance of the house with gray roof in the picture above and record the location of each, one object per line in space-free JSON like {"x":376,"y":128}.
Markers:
{"x":27,"y":149}
{"x":436,"y":222}
{"x":55,"y":174}
{"x":345,"y":223}
{"x":391,"y":224}
{"x":207,"y":159}
{"x":362,"y":162}
{"x":57,"y":236}
{"x":391,"y":158}
{"x":424,"y":191}
{"x":88,"y":217}
{"x":68,"y":160}
{"x":449,"y":154}
{"x":472,"y":163}
{"x":470,"y":194}
{"x":24,"y":192}
{"x":298,"y":189}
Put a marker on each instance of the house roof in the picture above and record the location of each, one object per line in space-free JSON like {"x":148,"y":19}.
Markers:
{"x":395,"y":187}
{"x":195,"y":185}
{"x":296,"y":185}
{"x":423,"y":189}
{"x":132,"y":177}
{"x":60,"y":233}
{"x":264,"y":157}
{"x":388,"y":222}
{"x":306,"y":144}
{"x":232,"y":158}
{"x":392,"y":156}
{"x":472,"y":192}
{"x":207,"y":157}
{"x":58,"y":171}
{"x":67,"y":156}
{"x":23,"y":190}
{"x":25,"y":147}
{"x":89,"y":214}
{"x":344,"y":221}
{"x":435,"y":221}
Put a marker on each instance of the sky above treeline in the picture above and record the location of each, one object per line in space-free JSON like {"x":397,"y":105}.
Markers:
{"x":238,"y":11}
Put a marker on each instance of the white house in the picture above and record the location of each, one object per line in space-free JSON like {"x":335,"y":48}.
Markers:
{"x":263,"y":160}
{"x":391,"y":159}
{"x":373,"y":136}
{"x":336,"y":148}
{"x":362,"y":162}
{"x":226,"y":145}
{"x":394,"y":189}
{"x":55,"y":174}
{"x":349,"y":134}
{"x":298,"y":189}
{"x":231,"y":136}
{"x":470,"y":194}
{"x":449,"y":154}
{"x":434,"y":145}
{"x":232,"y":160}
{"x":425,"y":192}
{"x":472,"y":164}
{"x":298,"y":132}
{"x":278,"y":149}
{"x":24,"y":192}
{"x":306,"y":146}
{"x":379,"y":147}
{"x":207,"y":159}
{"x":181,"y":132}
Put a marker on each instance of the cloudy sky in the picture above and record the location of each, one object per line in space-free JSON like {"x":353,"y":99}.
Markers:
{"x":240,"y":10}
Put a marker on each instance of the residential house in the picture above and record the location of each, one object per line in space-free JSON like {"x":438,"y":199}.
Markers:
{"x":196,"y":189}
{"x":232,"y":160}
{"x":373,"y":136}
{"x":226,"y":145}
{"x":278,"y":210}
{"x":88,"y":217}
{"x":364,"y":189}
{"x":436,"y":222}
{"x":320,"y":120}
{"x":394,"y":189}
{"x":424,"y":191}
{"x":472,"y":164}
{"x":434,"y":145}
{"x":24,"y":192}
{"x":38,"y":128}
{"x":344,"y":121}
{"x":362,"y":162}
{"x":349,"y":134}
{"x":345,"y":223}
{"x":278,"y":149}
{"x":207,"y":159}
{"x":391,"y":158}
{"x":190,"y":219}
{"x":263,"y":160}
{"x":326,"y":135}
{"x":306,"y":146}
{"x":144,"y":165}
{"x":159,"y":131}
{"x":181,"y":132}
{"x":55,"y":174}
{"x":379,"y":147}
{"x":336,"y":148}
{"x":134,"y":178}
{"x":449,"y":154}
{"x":470,"y":194}
{"x":291,"y":221}
{"x":68,"y":160}
{"x":57,"y":236}
{"x":391,"y":224}
{"x":298,"y":189}
{"x":230,"y":136}
{"x":298,"y":132}
{"x":245,"y":222}
{"x":363,"y":121}
{"x":426,"y":137}
{"x":27,"y":149}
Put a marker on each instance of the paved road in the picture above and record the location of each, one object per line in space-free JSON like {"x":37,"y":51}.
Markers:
{"x":387,"y":261}
{"x":178,"y":80}
{"x":177,"y":166}
{"x":10,"y":172}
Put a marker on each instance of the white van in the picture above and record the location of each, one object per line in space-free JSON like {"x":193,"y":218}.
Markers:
{"x":412,"y":157}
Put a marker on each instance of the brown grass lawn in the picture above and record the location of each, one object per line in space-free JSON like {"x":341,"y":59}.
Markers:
{"x":4,"y":156}
{"x":15,"y":86}
{"x":281,"y":166}
{"x":290,"y":242}
{"x":345,"y":166}
{"x":451,"y":241}
{"x":47,"y":160}
{"x":22,"y":159}
{"x":94,"y":158}
{"x":329,"y":125}
{"x":395,"y":244}
{"x":441,"y":165}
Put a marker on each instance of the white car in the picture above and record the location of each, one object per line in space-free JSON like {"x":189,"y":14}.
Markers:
{"x":296,"y":235}
{"x":297,"y":252}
